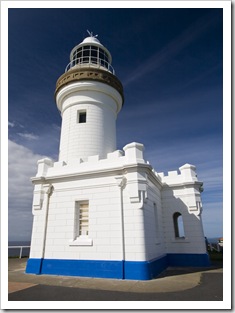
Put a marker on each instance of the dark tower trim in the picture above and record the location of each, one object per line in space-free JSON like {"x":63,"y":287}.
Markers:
{"x":78,"y":74}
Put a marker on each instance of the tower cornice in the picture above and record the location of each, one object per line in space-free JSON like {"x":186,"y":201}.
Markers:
{"x":82,"y":73}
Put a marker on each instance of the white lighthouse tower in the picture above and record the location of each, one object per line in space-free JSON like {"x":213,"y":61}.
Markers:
{"x":102,"y":212}
{"x":89,"y":97}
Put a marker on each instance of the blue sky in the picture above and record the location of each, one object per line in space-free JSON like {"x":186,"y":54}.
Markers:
{"x":170,"y":62}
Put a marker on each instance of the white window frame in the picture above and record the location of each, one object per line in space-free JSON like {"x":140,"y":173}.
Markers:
{"x":81,"y":224}
{"x":178,"y":238}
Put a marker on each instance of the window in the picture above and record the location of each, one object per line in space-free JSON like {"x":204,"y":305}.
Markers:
{"x":81,"y":221}
{"x":178,"y":225}
{"x":81,"y":225}
{"x":81,"y":117}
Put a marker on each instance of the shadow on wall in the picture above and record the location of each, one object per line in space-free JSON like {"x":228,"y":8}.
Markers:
{"x":173,"y":237}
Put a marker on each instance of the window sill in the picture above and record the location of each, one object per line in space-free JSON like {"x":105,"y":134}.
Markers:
{"x":180,"y":240}
{"x":157,"y":242}
{"x":81,"y":241}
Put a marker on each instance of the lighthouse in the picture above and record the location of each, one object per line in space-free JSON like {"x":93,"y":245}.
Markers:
{"x":89,"y":97}
{"x":99,"y":211}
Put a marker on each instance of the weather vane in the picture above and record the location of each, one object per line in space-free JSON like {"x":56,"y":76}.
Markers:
{"x":91,"y":34}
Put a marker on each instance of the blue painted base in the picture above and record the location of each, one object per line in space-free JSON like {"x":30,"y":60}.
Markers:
{"x":144,"y":270}
{"x":34,"y":266}
{"x":136,"y":270}
{"x":190,"y":260}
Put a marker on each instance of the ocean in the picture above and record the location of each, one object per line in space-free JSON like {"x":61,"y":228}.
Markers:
{"x":213,"y":240}
{"x":15,"y":252}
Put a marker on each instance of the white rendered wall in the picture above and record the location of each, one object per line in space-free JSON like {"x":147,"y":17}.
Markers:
{"x":155,"y":246}
{"x":105,"y":223}
{"x":114,"y":211}
{"x":98,"y":135}
{"x":181,"y":194}
{"x":194,"y":241}
{"x":130,"y":209}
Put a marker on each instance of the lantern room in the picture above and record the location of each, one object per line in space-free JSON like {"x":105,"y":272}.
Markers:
{"x":90,"y":52}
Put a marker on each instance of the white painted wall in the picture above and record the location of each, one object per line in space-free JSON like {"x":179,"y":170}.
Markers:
{"x":123,"y":182}
{"x":181,"y":193}
{"x":98,"y":135}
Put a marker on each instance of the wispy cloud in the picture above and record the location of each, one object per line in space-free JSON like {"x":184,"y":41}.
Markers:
{"x":14,"y":124}
{"x":203,"y":152}
{"x":212,"y":218}
{"x":206,"y":155}
{"x":28,"y":136}
{"x":212,"y":175}
{"x":171,"y":49}
{"x":11,"y":124}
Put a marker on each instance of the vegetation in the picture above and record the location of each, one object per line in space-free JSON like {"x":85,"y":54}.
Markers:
{"x":216,"y":256}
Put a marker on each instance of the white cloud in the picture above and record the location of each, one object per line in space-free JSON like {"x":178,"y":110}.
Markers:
{"x":11,"y":124}
{"x":22,"y":164}
{"x":28,"y":136}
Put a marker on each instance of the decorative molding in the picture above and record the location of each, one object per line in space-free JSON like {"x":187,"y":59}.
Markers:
{"x":79,"y":74}
{"x":95,"y":173}
{"x":121,"y":181}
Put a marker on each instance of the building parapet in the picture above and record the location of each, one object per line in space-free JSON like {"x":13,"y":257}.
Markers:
{"x":132,"y":154}
{"x":186,"y":173}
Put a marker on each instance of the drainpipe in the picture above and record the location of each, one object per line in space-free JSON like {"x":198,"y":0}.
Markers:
{"x":49,"y":191}
{"x":139,"y":205}
{"x":121,"y":182}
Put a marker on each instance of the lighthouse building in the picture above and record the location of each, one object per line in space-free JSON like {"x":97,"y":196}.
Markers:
{"x":103,"y":212}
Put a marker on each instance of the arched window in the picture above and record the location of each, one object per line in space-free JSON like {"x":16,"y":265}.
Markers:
{"x":178,"y":225}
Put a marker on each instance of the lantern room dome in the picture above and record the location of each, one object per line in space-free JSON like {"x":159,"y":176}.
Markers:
{"x":91,"y":40}
{"x":90,"y":53}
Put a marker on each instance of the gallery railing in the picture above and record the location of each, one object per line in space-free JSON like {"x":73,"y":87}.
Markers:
{"x":20,"y":249}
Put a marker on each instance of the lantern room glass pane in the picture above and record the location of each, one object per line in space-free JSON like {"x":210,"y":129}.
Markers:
{"x":94,"y":53}
{"x":77,"y":56}
{"x":90,"y":54}
{"x":86,"y":54}
{"x":103,"y":58}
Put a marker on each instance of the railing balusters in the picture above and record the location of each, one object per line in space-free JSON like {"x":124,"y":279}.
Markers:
{"x":19,"y":247}
{"x":98,"y":64}
{"x":20,"y":252}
